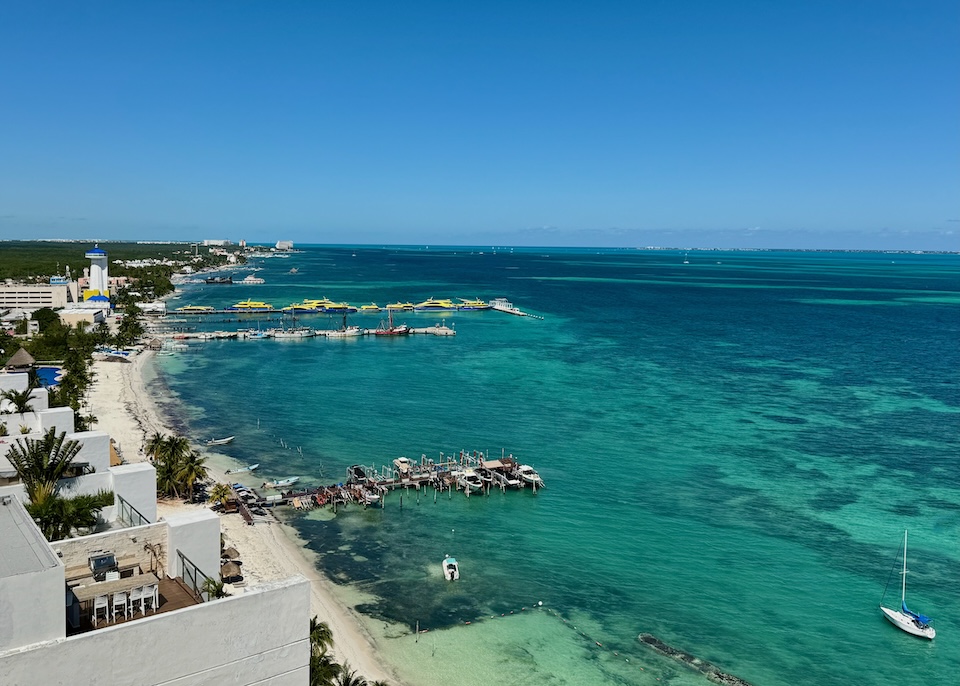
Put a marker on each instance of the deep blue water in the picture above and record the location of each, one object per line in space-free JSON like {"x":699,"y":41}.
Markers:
{"x":732,"y":450}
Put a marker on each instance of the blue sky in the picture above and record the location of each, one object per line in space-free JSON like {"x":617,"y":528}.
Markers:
{"x":693,"y":124}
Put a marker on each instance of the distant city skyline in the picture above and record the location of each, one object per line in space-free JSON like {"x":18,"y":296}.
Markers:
{"x":815,"y":125}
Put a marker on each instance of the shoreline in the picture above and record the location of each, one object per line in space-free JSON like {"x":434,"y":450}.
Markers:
{"x":126,"y":411}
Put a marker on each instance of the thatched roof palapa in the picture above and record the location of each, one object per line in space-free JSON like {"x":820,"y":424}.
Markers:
{"x":21,"y":360}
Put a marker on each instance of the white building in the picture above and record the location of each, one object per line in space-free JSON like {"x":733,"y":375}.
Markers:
{"x":53,"y":629}
{"x":32,"y":297}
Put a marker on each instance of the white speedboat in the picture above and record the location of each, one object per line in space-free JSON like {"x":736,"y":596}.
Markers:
{"x":529,"y":475}
{"x":248,"y":468}
{"x":451,"y":568}
{"x":281,"y":483}
{"x":469,"y":480}
{"x":904,"y":618}
{"x":221,"y":441}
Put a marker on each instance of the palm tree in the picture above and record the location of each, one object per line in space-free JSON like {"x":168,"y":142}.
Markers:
{"x":169,"y":455}
{"x":348,"y":677}
{"x":323,"y":669}
{"x":58,"y":517}
{"x":321,"y":637}
{"x":20,"y":400}
{"x":213,"y":588}
{"x":153,"y":444}
{"x":220,"y":493}
{"x":191,"y":470}
{"x":42,"y":462}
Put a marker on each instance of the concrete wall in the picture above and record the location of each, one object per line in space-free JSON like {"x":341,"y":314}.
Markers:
{"x":94,"y":449}
{"x":14,"y":381}
{"x":254,"y":639}
{"x":137,"y":484}
{"x":32,"y":595}
{"x":32,"y":608}
{"x":132,"y":542}
{"x":196,"y":534}
{"x":59,"y":418}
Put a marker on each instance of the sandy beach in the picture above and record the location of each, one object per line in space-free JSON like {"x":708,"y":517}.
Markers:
{"x":269,"y":551}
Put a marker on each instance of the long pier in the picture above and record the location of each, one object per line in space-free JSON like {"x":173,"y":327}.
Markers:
{"x":190,"y":334}
{"x":368,"y":487}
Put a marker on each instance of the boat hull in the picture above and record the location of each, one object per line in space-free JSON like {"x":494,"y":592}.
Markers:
{"x":451,"y":569}
{"x":908,"y":624}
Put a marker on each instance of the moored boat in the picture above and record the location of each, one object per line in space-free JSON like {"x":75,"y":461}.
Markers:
{"x":195,"y":309}
{"x":904,"y":618}
{"x":404,"y":466}
{"x":281,"y":483}
{"x":400,"y":307}
{"x":338,"y":308}
{"x":435,"y":305}
{"x":474,"y":304}
{"x":390,"y":329}
{"x":451,"y":568}
{"x":529,"y":475}
{"x":221,"y":441}
{"x":218,"y":280}
{"x":249,"y":468}
{"x":372,"y":307}
{"x":469,"y":480}
{"x":250,"y":306}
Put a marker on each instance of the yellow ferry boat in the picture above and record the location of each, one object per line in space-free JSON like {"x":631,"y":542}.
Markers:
{"x":435,"y":305}
{"x":250,"y":306}
{"x":474,"y":304}
{"x":372,"y":307}
{"x":400,"y":307}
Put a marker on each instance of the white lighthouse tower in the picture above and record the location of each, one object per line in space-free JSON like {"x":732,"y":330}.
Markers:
{"x":97,"y":289}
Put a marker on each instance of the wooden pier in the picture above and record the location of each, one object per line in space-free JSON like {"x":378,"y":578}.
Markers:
{"x":369,"y":487}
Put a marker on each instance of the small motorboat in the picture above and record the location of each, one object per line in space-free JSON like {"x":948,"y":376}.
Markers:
{"x":469,"y":480}
{"x":248,"y":468}
{"x":221,"y":441}
{"x":451,"y":569}
{"x":404,"y":466}
{"x":529,"y":475}
{"x":281,"y":483}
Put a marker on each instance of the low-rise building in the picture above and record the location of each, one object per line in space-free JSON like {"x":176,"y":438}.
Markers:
{"x":130,"y":603}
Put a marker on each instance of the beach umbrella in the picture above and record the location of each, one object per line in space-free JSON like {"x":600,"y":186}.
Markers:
{"x":230,"y":569}
{"x":230,"y":553}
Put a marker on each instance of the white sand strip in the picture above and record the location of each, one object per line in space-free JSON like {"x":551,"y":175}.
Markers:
{"x":124,"y":409}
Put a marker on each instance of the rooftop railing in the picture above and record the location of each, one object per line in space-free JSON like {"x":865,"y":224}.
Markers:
{"x":193,"y":577}
{"x":130,"y":515}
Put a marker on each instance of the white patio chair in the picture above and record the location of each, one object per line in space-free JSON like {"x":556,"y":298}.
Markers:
{"x":112,"y":576}
{"x":136,"y":599}
{"x":150,"y":597}
{"x":119,"y":606}
{"x":101,"y":602}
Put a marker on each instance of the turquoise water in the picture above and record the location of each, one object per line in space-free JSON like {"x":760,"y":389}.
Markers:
{"x":732,"y":449}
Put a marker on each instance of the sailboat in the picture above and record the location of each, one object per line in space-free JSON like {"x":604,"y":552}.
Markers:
{"x":906,"y":619}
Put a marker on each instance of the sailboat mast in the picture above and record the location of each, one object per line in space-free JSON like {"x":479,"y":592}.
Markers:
{"x":903,"y":576}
